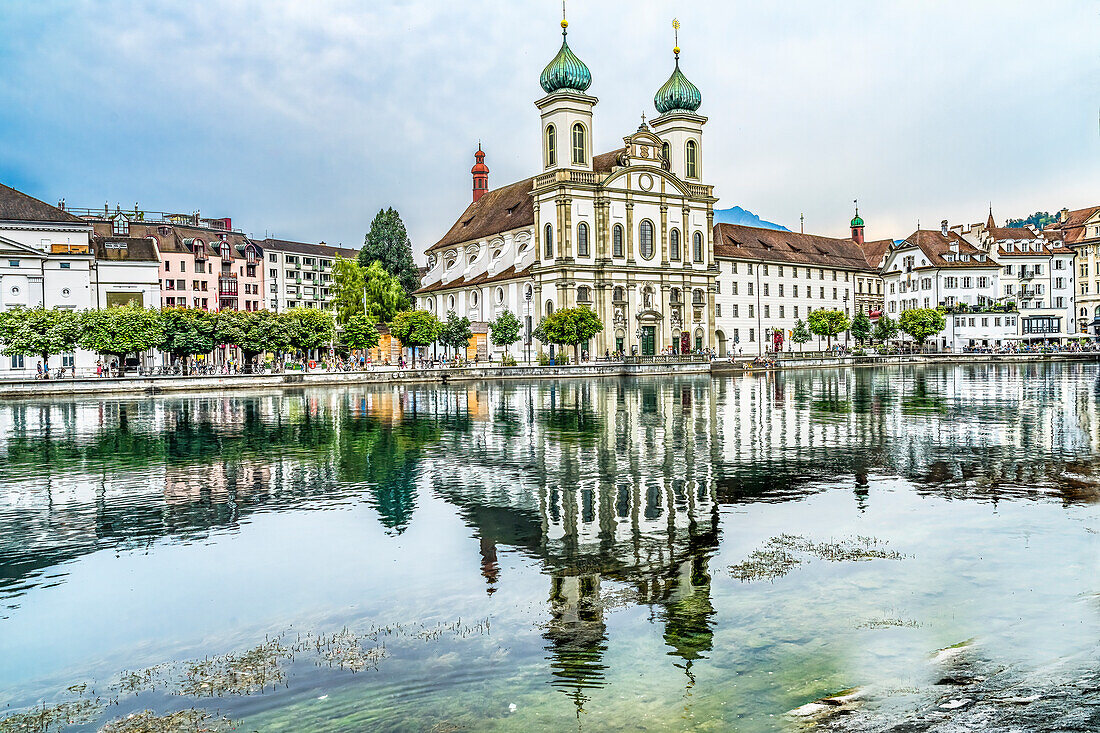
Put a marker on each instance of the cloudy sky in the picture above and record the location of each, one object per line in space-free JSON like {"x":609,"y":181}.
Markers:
{"x":300,"y":119}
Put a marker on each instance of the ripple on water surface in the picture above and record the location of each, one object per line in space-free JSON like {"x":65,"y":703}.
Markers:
{"x":651,"y":553}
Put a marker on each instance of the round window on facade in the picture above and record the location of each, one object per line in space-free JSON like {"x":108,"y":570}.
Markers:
{"x":15,"y":290}
{"x":451,"y":302}
{"x":431,"y":304}
{"x":65,"y":293}
{"x":473,"y":299}
{"x":500,"y":295}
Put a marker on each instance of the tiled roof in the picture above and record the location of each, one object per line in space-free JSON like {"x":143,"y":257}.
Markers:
{"x":482,"y":279}
{"x":1073,"y":228}
{"x":733,"y":241}
{"x":506,"y":208}
{"x":935,"y":244}
{"x":875,"y":251}
{"x":18,"y":206}
{"x":1003,"y":233}
{"x":125,"y":249}
{"x":319,"y":250}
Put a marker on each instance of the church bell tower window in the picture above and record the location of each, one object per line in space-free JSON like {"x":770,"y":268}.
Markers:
{"x":548,"y":242}
{"x":689,"y":157}
{"x":551,"y":146}
{"x":582,"y":239}
{"x":617,"y":241}
{"x":578,"y":144}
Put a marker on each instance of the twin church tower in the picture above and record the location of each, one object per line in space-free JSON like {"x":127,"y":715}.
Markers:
{"x":626,"y":233}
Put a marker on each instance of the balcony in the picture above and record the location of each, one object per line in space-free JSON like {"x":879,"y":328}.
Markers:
{"x":227,"y":285}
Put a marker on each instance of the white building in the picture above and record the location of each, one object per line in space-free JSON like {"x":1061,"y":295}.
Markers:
{"x":626,"y":233}
{"x":126,"y":270}
{"x":299,"y":275}
{"x":999,"y":285}
{"x":45,"y":261}
{"x":768,"y":280}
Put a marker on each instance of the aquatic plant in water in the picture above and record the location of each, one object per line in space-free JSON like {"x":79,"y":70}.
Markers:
{"x":777,"y":557}
{"x":181,"y":721}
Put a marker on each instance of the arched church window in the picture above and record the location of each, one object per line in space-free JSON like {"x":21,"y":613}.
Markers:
{"x":645,"y":239}
{"x":691,"y":162}
{"x":582,"y":240}
{"x":578,"y":144}
{"x":697,"y":296}
{"x":617,"y":241}
{"x":674,"y":244}
{"x":549,"y":307}
{"x":548,"y":242}
{"x":666,"y":151}
{"x":583,"y":294}
{"x":551,"y":146}
{"x":617,"y":295}
{"x":697,"y":247}
{"x":674,"y":295}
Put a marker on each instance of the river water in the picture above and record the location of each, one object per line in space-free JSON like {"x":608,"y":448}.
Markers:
{"x":622,"y":554}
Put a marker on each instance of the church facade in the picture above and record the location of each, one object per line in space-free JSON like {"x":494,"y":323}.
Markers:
{"x":627,"y":233}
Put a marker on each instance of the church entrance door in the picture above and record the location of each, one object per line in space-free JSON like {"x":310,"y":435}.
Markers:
{"x":649,"y":340}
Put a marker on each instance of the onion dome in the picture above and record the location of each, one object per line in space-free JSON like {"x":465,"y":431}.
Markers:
{"x":857,"y":222}
{"x":566,"y":71}
{"x":678,"y":94}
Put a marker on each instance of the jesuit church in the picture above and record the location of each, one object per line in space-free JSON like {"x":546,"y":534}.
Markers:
{"x":627,"y":232}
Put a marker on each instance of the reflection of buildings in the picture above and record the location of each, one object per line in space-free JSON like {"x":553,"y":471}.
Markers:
{"x":610,"y":487}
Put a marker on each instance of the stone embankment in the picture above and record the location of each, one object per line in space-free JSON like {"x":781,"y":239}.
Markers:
{"x":382,"y":375}
{"x":148,"y":385}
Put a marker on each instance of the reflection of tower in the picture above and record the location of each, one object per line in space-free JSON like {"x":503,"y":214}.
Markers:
{"x":490,"y":570}
{"x":577,"y":635}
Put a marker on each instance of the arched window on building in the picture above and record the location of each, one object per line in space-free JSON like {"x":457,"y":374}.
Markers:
{"x":549,"y":307}
{"x":548,"y":242}
{"x":617,"y":295}
{"x":674,"y":295}
{"x":674,"y":244}
{"x":617,"y":241}
{"x":697,"y":296}
{"x":645,"y":239}
{"x":582,"y":240}
{"x":690,"y":160}
{"x":578,"y":144}
{"x":551,"y":146}
{"x":697,"y":247}
{"x":584,"y":295}
{"x":666,"y":151}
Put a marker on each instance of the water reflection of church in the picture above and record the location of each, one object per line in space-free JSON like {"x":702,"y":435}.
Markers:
{"x":612,"y":491}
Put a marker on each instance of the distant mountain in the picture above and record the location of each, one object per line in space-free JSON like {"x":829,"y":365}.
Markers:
{"x":737,"y":215}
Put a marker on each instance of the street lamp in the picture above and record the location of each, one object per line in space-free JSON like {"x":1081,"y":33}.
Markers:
{"x":527,"y":312}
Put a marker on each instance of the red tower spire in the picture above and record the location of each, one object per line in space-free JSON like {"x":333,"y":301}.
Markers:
{"x":481,"y":174}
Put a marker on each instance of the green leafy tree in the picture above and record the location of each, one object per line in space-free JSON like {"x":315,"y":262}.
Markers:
{"x":828,"y":323}
{"x":885,"y":330}
{"x":570,"y":327}
{"x":415,"y":328}
{"x":39,"y":332}
{"x":355,"y":287}
{"x":388,"y":242}
{"x":309,"y":328}
{"x":456,"y":333}
{"x":360,"y":333}
{"x":920,"y":323}
{"x":861,"y":327}
{"x":1039,"y":219}
{"x":187,"y":331}
{"x":504,"y":330}
{"x":347,"y":289}
{"x":121,"y":330}
{"x":256,"y":332}
{"x":800,"y":334}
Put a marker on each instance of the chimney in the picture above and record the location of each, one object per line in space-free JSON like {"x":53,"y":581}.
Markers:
{"x":943,"y":227}
{"x":1063,"y":215}
{"x":481,"y":175}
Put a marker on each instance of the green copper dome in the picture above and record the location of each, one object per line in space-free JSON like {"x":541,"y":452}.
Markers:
{"x":857,"y":222}
{"x":678,"y":93}
{"x":566,"y":71}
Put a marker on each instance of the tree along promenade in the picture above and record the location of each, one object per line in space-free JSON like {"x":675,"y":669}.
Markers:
{"x":639,"y":366}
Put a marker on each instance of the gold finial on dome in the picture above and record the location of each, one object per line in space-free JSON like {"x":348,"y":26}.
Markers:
{"x":564,"y":22}
{"x":676,"y":32}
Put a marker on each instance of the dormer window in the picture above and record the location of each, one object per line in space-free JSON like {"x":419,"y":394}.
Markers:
{"x":120,"y":226}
